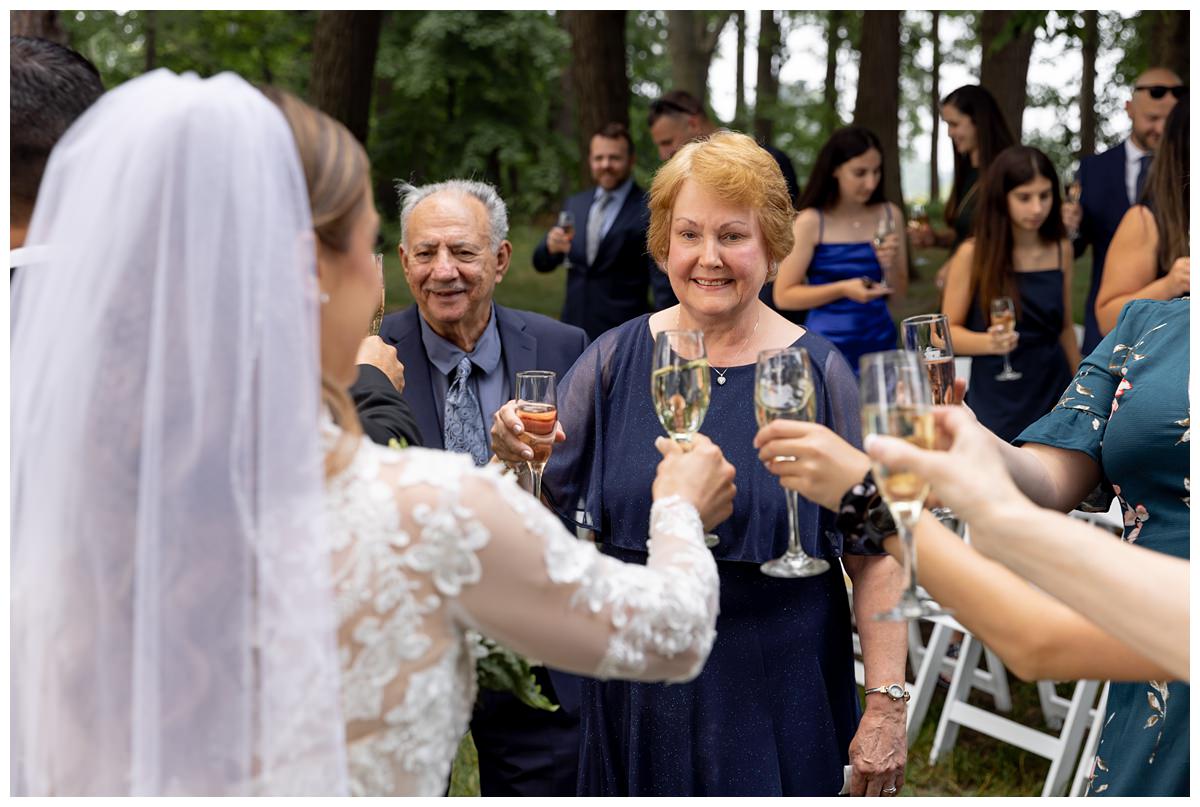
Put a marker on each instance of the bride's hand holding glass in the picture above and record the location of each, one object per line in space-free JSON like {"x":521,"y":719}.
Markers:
{"x":700,"y":474}
{"x":811,"y":459}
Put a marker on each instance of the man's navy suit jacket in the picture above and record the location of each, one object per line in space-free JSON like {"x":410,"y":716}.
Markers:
{"x":529,"y":341}
{"x":1104,"y":199}
{"x":615,"y":288}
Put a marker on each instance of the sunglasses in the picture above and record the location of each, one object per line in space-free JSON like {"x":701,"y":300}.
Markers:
{"x":1159,"y":90}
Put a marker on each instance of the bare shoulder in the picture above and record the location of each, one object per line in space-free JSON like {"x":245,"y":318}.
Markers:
{"x":807,"y":221}
{"x":777,"y":330}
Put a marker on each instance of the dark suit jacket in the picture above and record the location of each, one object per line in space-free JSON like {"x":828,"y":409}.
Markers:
{"x":1105,"y":200}
{"x":529,"y":341}
{"x":383,"y":412}
{"x":616,"y":287}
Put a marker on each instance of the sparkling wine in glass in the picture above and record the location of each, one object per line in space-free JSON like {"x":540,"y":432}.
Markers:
{"x":566,"y":220}
{"x":680,"y":387}
{"x":784,"y":388}
{"x":883,"y":229}
{"x":537,"y":406}
{"x":1073,"y":193}
{"x":895,"y":394}
{"x":918,"y":222}
{"x":928,"y":335}
{"x":1004,"y":317}
{"x":377,"y":322}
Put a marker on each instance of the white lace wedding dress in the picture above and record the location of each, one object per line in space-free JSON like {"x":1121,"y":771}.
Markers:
{"x":428,"y":549}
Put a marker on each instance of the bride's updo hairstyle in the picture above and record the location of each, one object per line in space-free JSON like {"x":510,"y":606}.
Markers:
{"x":735,"y":168}
{"x":337,"y":173}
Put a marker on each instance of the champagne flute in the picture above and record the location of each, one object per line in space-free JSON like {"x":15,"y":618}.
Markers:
{"x":679,"y":387}
{"x":896,"y":402}
{"x":783,"y":388}
{"x":1074,"y":192}
{"x":917,"y":222}
{"x":928,"y":335}
{"x":537,"y":406}
{"x":566,"y":220}
{"x":378,"y":321}
{"x":1004,"y":317}
{"x":883,"y":229}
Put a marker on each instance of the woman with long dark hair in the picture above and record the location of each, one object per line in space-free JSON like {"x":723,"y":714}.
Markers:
{"x":847,"y":259}
{"x":1019,"y":253}
{"x":1149,"y":257}
{"x":976,"y":127}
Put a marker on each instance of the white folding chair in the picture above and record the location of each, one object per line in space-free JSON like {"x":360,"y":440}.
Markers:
{"x":1083,"y":771}
{"x":1060,"y":749}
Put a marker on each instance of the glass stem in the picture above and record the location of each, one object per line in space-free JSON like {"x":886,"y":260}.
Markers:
{"x":793,"y":508}
{"x":909,"y":546}
{"x":535,"y":470}
{"x":1007,"y":365}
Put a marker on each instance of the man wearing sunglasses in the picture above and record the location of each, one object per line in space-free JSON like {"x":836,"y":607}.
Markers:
{"x":1112,"y":181}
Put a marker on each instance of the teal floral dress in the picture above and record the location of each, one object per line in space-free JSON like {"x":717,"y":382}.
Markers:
{"x":1128,"y":409}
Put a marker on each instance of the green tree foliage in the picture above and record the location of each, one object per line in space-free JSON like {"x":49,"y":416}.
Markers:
{"x":272,"y":47}
{"x":472,"y":94}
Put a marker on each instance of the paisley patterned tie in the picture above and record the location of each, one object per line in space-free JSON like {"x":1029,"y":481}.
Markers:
{"x":464,"y":425}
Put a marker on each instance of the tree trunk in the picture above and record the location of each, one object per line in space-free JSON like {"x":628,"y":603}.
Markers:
{"x":877,"y":105}
{"x":1172,"y":41}
{"x":598,"y":73}
{"x":41,"y":24}
{"x":345,"y":44}
{"x":1087,"y":85}
{"x":767,"y":91}
{"x":151,"y":33}
{"x":935,"y":94}
{"x":692,"y":38}
{"x":834,"y":41}
{"x":739,"y":109}
{"x":566,"y":113}
{"x":1004,"y":66}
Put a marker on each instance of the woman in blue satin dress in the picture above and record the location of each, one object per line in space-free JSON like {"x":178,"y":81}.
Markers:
{"x":849,"y":259}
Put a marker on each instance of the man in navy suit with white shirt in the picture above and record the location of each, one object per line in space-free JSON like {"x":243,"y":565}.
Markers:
{"x":609,"y":270}
{"x":1111,"y":182}
{"x":461,"y":352}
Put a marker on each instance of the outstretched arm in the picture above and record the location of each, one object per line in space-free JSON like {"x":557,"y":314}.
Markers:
{"x":545,"y":594}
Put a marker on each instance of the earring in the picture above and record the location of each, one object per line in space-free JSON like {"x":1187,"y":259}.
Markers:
{"x":324,"y":298}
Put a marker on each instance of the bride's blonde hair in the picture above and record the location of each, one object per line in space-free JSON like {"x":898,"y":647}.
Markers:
{"x":337,"y":173}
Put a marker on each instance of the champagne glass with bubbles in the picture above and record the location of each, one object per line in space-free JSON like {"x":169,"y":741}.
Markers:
{"x":1004,"y":317}
{"x":537,"y":406}
{"x":679,"y":387}
{"x":928,"y":335}
{"x":896,"y":402}
{"x":783,"y":388}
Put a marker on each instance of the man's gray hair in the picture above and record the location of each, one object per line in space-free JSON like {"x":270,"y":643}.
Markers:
{"x":497,"y":213}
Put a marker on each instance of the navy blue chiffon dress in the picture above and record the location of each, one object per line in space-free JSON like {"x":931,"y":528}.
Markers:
{"x":775,"y":707}
{"x":1007,"y":407}
{"x":854,"y":328}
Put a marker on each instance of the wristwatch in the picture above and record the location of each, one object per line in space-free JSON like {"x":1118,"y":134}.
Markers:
{"x":896,"y":692}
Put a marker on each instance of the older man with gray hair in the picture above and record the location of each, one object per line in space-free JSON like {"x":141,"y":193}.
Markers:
{"x":461,"y":352}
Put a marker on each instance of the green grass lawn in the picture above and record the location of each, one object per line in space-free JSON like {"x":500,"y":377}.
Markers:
{"x":978,"y":765}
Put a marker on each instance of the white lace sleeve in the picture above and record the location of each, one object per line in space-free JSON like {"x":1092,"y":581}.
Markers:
{"x":544,"y":593}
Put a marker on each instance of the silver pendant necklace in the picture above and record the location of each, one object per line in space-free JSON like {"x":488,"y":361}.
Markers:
{"x":721,"y":373}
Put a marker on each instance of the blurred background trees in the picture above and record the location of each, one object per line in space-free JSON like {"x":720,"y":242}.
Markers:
{"x":511,"y":96}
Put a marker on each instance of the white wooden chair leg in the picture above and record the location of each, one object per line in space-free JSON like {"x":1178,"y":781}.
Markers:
{"x":960,"y":686}
{"x":998,"y":675}
{"x":925,"y":684}
{"x":1083,"y":771}
{"x":1076,"y":723}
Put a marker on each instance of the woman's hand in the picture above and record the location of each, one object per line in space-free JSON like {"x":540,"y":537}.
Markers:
{"x":879,"y":749}
{"x":510,"y":441}
{"x":886,"y":251}
{"x":701,"y":475}
{"x":970,"y":476}
{"x":1004,"y":340}
{"x":1179,"y":277}
{"x":811,"y":459}
{"x":857,"y":290}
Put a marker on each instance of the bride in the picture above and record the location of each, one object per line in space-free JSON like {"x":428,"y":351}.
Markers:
{"x":218,"y":587}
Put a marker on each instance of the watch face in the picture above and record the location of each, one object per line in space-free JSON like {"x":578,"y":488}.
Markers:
{"x":895,"y":692}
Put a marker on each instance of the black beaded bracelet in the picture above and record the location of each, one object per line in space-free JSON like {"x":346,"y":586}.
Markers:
{"x":864,"y":519}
